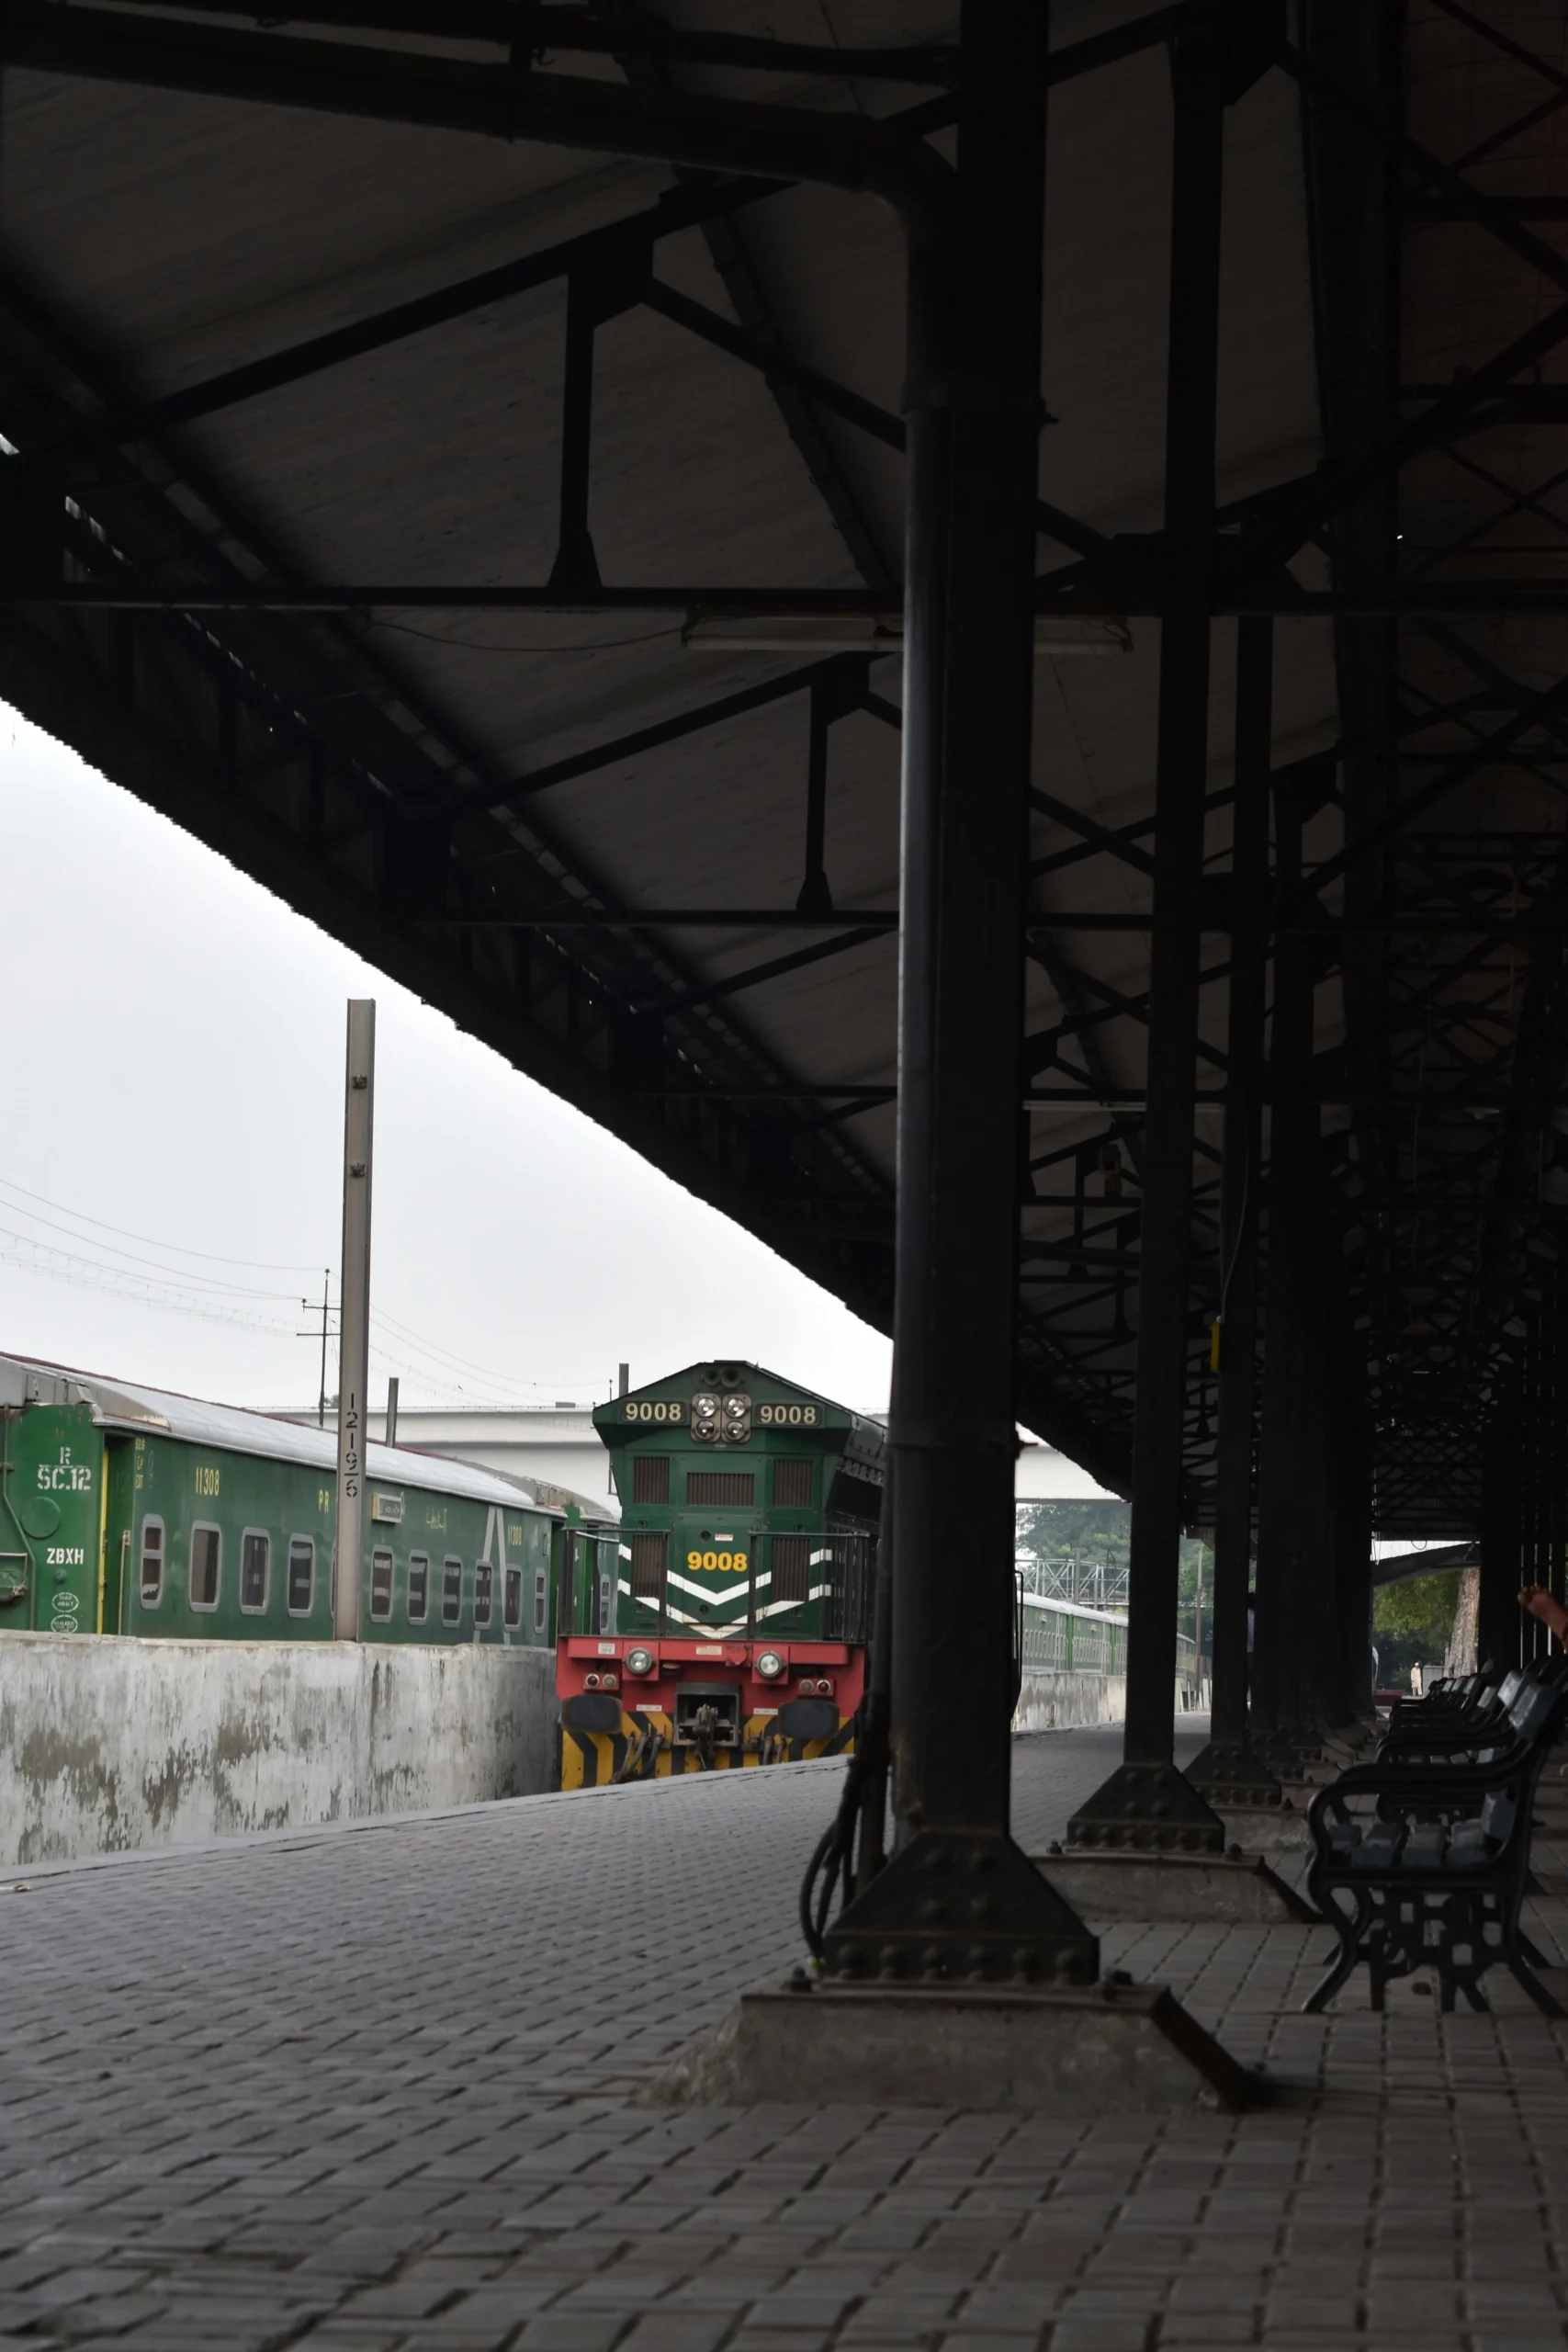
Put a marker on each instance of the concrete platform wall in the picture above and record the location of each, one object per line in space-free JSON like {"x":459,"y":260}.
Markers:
{"x":106,"y":1746}
{"x":1053,"y":1702}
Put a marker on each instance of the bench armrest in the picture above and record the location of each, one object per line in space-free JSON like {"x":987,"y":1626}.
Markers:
{"x":1451,"y":1784}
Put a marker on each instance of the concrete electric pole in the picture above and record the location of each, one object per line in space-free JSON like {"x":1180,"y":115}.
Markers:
{"x":353,"y":1318}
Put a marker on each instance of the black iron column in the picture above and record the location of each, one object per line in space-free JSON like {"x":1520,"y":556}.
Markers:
{"x":1353,"y":1620}
{"x":1525,"y":1644}
{"x":1498,"y":1622}
{"x":1294,"y":1671}
{"x":958,"y":1900}
{"x":1228,"y":1772}
{"x":1146,"y":1803}
{"x":1557,"y":1438}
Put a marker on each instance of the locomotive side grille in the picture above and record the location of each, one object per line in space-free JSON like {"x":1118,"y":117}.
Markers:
{"x":651,"y":1478}
{"x":720,"y":1486}
{"x":792,"y":1484}
{"x":648,"y":1548}
{"x":792,"y":1568}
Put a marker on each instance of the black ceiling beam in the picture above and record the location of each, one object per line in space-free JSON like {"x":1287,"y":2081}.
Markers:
{"x":1342,"y":481}
{"x":786,"y":1090}
{"x":498,"y":24}
{"x":647,"y":68}
{"x":1538,"y":709}
{"x":1072,"y":994}
{"x":652,"y":738}
{"x":755,"y":975}
{"x":1428,"y":168}
{"x":506,"y":100}
{"x":1507,"y":689}
{"x":1067,"y":529}
{"x":676,"y":209}
{"x":1504,"y":42}
{"x":575,"y":916}
{"x":697,"y":601}
{"x":1098,"y":836}
{"x":1512,"y":208}
{"x":1137,"y":831}
{"x":1117,"y":1005}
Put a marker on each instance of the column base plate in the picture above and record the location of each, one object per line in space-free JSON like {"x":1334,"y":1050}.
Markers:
{"x":1267,"y":1830}
{"x":1114,"y":2048}
{"x":1147,"y":1809}
{"x":1229,"y":1775}
{"x":1229,"y":1889}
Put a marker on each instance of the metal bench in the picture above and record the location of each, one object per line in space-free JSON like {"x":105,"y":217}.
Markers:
{"x":1433,"y":1873}
{"x":1463,"y":1717}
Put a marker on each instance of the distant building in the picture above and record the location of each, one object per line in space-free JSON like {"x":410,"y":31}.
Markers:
{"x":1044,"y":1475}
{"x":557,"y":1456}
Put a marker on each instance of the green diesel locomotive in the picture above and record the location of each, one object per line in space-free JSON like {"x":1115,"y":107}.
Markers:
{"x":737,"y":1628}
{"x":126,"y":1509}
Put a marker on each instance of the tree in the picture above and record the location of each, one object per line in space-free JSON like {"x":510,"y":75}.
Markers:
{"x":1412,"y":1622}
{"x":1097,"y":1534}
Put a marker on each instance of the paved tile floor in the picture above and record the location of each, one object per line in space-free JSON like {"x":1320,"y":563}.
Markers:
{"x":366,"y":2088}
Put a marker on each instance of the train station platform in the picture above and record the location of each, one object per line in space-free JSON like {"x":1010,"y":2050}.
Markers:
{"x":367,"y":2088}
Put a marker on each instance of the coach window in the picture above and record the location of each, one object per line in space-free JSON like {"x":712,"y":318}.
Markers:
{"x":418,"y":1588}
{"x":255,"y":1560}
{"x":483,"y":1578}
{"x":451,"y":1591}
{"x":380,"y":1585}
{"x":541,"y":1600}
{"x":301,"y":1575}
{"x":152,"y":1563}
{"x":513,"y":1603}
{"x":206,"y":1565}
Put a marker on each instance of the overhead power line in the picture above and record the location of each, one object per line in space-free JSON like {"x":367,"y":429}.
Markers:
{"x":211,"y":1257}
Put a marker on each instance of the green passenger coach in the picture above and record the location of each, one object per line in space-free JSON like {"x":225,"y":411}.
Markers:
{"x":132,"y":1510}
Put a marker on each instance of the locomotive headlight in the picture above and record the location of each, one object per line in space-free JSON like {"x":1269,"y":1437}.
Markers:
{"x":639,"y":1661}
{"x":737,"y":1418}
{"x":770,"y":1665}
{"x":704,"y":1416}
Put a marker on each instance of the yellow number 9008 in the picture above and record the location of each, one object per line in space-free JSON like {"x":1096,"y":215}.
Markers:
{"x":725,"y":1562}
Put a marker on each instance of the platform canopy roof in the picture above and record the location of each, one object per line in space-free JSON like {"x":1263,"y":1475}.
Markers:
{"x":496,"y":550}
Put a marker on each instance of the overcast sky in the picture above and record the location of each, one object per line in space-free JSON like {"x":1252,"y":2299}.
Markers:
{"x":171,"y":1143}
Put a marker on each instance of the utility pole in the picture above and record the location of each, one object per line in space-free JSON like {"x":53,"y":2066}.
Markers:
{"x":354,"y":1316}
{"x":626,"y":1379}
{"x":1198,"y":1629}
{"x":312,"y":1334}
{"x":391,"y":1434}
